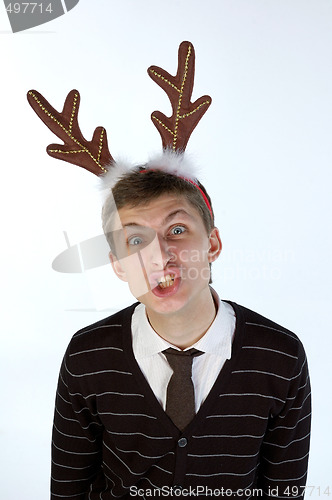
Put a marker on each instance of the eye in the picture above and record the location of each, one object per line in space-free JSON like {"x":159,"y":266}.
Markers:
{"x":176,"y":230}
{"x":135,"y":240}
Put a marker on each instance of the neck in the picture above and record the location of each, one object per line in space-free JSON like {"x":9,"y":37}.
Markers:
{"x":184,"y":327}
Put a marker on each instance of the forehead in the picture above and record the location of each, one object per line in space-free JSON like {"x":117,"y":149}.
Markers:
{"x":159,"y":211}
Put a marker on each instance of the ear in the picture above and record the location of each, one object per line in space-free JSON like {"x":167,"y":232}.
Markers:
{"x":117,"y":268}
{"x":215,"y":245}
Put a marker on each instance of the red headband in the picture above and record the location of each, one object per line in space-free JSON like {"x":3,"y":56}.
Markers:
{"x":202,"y":193}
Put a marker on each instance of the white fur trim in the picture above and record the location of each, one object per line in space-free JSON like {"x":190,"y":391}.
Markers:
{"x":115,"y":172}
{"x":174,"y":163}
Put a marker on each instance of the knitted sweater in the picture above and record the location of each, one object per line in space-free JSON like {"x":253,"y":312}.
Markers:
{"x":111,"y":437}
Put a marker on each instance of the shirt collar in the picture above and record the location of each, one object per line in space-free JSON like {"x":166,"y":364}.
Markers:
{"x":146,"y":342}
{"x":217,"y":340}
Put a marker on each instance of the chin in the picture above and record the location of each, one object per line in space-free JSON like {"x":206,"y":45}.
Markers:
{"x":169,"y":304}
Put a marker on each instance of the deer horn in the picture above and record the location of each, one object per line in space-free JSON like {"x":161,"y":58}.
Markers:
{"x":94,"y":155}
{"x":176,"y":130}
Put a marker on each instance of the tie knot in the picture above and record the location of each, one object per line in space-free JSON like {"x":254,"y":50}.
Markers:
{"x":181,"y":360}
{"x":190,"y":352}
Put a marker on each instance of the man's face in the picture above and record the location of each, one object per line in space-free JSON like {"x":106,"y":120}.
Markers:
{"x":164,"y":252}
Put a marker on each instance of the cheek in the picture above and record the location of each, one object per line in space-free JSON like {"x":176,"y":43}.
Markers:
{"x":135,"y":274}
{"x":193,"y":252}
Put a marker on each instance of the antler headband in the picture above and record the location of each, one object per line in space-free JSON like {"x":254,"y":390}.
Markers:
{"x":175,"y":131}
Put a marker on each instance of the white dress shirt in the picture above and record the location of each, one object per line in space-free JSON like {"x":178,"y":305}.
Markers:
{"x":216,"y":345}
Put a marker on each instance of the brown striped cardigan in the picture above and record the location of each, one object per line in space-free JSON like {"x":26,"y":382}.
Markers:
{"x":112,"y":439}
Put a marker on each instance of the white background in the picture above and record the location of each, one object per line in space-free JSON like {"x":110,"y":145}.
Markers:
{"x":265,"y":151}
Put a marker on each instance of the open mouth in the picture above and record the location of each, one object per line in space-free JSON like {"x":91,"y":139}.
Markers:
{"x":165,"y":285}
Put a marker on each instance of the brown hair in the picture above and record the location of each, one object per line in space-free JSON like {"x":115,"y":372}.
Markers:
{"x":142,"y":186}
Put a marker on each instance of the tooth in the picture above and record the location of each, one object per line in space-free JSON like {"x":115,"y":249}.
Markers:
{"x":166,"y":281}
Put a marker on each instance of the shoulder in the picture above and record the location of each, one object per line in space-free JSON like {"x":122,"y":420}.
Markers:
{"x":108,"y":332}
{"x":267,"y":334}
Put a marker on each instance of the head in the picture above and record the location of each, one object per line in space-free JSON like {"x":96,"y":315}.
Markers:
{"x":142,"y":186}
{"x":156,"y":222}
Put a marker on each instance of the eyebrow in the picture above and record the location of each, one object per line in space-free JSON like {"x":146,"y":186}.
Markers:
{"x":179,"y":211}
{"x":167,"y":219}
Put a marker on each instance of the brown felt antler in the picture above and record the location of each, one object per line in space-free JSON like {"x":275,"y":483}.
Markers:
{"x":91,"y":155}
{"x":176,"y":130}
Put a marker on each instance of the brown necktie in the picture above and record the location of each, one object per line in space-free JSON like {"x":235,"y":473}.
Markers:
{"x":180,"y":400}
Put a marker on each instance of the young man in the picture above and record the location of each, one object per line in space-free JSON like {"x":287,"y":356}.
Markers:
{"x":181,"y":393}
{"x":113,"y":435}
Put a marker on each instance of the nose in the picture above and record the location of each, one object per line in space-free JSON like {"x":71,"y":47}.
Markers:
{"x":157,"y":253}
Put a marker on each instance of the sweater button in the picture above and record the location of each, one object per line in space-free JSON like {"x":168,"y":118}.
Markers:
{"x":182,"y":442}
{"x":178,"y":487}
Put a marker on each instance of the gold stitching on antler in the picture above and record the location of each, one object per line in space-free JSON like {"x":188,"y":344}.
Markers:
{"x":194,"y":111}
{"x":163,"y":125}
{"x":101,"y":138}
{"x":86,"y":150}
{"x":66,"y":152}
{"x":73,"y":113}
{"x":181,"y":95}
{"x":180,"y":99}
{"x":165,"y":80}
